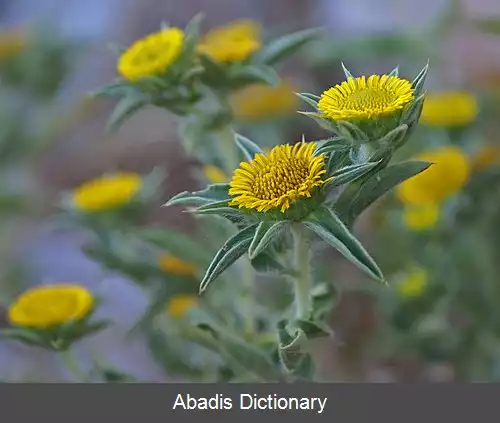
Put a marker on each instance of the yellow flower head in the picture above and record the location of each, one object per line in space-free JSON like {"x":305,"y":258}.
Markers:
{"x":414,"y":284}
{"x":452,"y":108}
{"x":179,"y":305}
{"x":234,"y":42}
{"x":12,"y":42}
{"x":449,"y":173}
{"x":175,"y":266}
{"x":486,"y":157}
{"x":214,"y":174}
{"x":51,"y":305}
{"x":107,"y":192}
{"x":421,"y":217}
{"x":151,"y":55}
{"x":261,"y":101}
{"x":363,"y":99}
{"x":271,"y":181}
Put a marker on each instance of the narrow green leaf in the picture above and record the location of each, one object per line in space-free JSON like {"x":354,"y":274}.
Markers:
{"x":395,"y":71}
{"x":336,"y":159}
{"x":330,"y":228}
{"x":247,"y":146}
{"x":291,"y":348}
{"x":350,"y":174}
{"x":324,"y":297}
{"x":114,"y":90}
{"x":214,"y":73}
{"x":126,"y":108}
{"x":381,"y":183}
{"x":212,"y":194}
{"x":419,"y":81}
{"x":258,"y":74}
{"x":395,"y":137}
{"x":411,"y":113}
{"x":221,"y":208}
{"x":323,"y":123}
{"x":314,"y":329}
{"x":350,"y":131}
{"x":309,"y":99}
{"x":287,"y":45}
{"x":347,"y":73}
{"x":332,"y":144}
{"x":265,"y":234}
{"x":265,"y":263}
{"x":231,"y":251}
{"x":23,"y":335}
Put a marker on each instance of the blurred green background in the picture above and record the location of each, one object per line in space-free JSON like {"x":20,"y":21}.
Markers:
{"x":52,"y":138}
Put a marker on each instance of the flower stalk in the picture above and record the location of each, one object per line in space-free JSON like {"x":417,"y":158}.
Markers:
{"x":302,"y":280}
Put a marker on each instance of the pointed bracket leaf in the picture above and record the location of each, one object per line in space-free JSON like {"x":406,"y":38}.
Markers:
{"x":231,"y":251}
{"x":248,"y":147}
{"x":419,"y":81}
{"x":325,"y":223}
{"x":349,"y":174}
{"x":126,"y":107}
{"x":310,"y":99}
{"x":347,"y":73}
{"x":265,"y":234}
{"x":212,"y":194}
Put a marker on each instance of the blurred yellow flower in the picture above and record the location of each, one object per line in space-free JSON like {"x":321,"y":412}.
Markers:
{"x":365,"y":98}
{"x":287,"y":173}
{"x":421,"y":217}
{"x":486,"y":157}
{"x":450,"y":108}
{"x":234,"y":42}
{"x":414,"y":284}
{"x":214,"y":174}
{"x":151,"y":55}
{"x":175,"y":266}
{"x":51,"y":305}
{"x":261,"y":101}
{"x":179,"y":305}
{"x":448,"y":174}
{"x":12,"y":42}
{"x":107,"y":192}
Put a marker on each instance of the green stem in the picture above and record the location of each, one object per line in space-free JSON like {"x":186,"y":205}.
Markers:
{"x":302,"y":280}
{"x":72,"y":365}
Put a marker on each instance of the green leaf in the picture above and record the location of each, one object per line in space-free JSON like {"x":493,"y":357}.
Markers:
{"x":211,"y":194}
{"x":231,"y":251}
{"x":330,"y":228}
{"x":351,"y":132}
{"x":411,"y":113}
{"x":323,"y":123}
{"x":287,"y":45}
{"x":27,"y":336}
{"x":215,"y":74}
{"x":221,"y":208}
{"x":257,"y":74}
{"x":381,"y":183}
{"x":336,"y":159}
{"x":313,"y":329}
{"x":265,"y":234}
{"x":125,"y":108}
{"x":324,"y":297}
{"x":265,"y":263}
{"x":115,"y":376}
{"x":310,"y":99}
{"x":419,"y":81}
{"x":247,"y":146}
{"x":114,"y":90}
{"x":347,"y":73}
{"x":332,"y":144}
{"x":291,"y":347}
{"x":395,"y":71}
{"x":349,"y":174}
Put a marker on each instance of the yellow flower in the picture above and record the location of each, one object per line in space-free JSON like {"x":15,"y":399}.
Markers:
{"x":261,"y":101}
{"x":451,"y":108}
{"x":288,"y":173}
{"x":51,"y":305}
{"x":486,"y":157}
{"x":214,"y":174}
{"x":234,"y":42}
{"x":107,"y":192}
{"x":175,"y":266}
{"x":414,"y":284}
{"x":421,"y":217}
{"x":364,"y":99}
{"x":179,"y":305}
{"x":445,"y":177}
{"x":151,"y":55}
{"x":12,"y":42}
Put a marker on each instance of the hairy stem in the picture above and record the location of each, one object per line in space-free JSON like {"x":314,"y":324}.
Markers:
{"x":302,"y":280}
